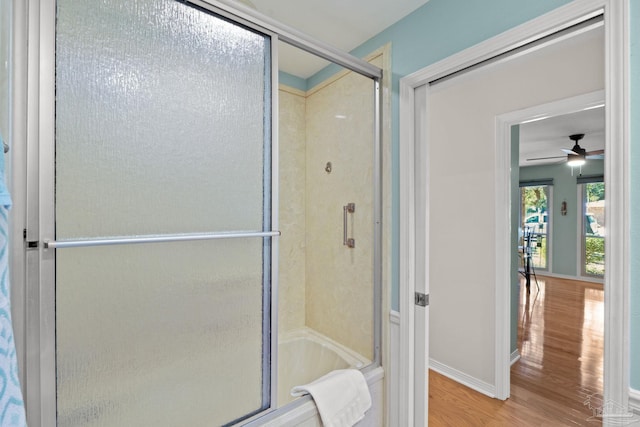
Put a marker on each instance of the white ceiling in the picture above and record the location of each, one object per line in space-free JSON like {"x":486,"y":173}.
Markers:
{"x":546,"y":138}
{"x":344,"y":24}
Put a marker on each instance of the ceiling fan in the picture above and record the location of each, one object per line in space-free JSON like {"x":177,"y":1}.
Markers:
{"x":577,"y":155}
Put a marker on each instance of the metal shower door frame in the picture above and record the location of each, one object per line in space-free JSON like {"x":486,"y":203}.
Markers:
{"x":36,"y":23}
{"x":41,"y":245}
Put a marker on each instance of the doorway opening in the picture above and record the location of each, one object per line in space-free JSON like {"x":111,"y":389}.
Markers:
{"x":560,"y":309}
{"x":413,"y":138}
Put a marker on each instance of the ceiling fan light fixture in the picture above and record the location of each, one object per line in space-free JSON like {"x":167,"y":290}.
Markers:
{"x":578,"y":155}
{"x":574,"y":160}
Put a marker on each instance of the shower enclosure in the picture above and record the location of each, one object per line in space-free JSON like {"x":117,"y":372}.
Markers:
{"x":177,"y":237}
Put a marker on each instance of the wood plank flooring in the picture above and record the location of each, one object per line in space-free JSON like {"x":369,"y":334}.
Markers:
{"x":560,"y":339}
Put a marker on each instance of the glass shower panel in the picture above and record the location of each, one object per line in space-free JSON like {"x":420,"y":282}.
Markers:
{"x":162,"y":128}
{"x":160,"y":334}
{"x":340,"y":131}
{"x":327,"y":136}
{"x":160,"y":109}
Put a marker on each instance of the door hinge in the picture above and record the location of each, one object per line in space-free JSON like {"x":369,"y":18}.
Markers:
{"x":422,"y":299}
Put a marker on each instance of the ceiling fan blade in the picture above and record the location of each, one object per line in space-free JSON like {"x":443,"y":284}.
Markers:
{"x":566,"y":150}
{"x":546,"y":158}
{"x":595,"y":156}
{"x":594,"y":152}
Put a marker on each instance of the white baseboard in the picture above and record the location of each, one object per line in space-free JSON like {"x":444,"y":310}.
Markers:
{"x":634,"y":400}
{"x":462,"y":378}
{"x":393,"y":386}
{"x":515,"y":356}
{"x":569,"y":277}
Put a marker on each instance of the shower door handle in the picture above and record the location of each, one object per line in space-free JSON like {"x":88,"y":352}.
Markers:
{"x":347,"y":209}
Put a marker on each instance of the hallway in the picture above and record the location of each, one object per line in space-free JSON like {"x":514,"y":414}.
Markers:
{"x":559,"y":374}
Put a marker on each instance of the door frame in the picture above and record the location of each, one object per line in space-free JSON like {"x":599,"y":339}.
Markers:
{"x":616,"y":362}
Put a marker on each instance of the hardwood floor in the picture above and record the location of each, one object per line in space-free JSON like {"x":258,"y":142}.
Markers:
{"x":560,"y":339}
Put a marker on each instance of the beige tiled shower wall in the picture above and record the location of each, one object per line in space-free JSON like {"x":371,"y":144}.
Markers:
{"x":292,"y":208}
{"x":323,"y":284}
{"x":339,"y":292}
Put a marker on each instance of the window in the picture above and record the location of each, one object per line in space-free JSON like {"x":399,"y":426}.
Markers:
{"x":534,"y":222}
{"x":593,"y":226}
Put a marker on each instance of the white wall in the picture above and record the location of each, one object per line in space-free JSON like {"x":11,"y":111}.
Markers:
{"x":462,"y":200}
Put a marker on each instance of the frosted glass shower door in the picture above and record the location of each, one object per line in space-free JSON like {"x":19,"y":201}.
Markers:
{"x":162,"y":215}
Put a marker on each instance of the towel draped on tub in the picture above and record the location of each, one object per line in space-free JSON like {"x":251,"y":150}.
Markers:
{"x":342,"y":397}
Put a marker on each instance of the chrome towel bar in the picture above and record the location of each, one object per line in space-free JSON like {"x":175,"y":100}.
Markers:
{"x":61,"y":244}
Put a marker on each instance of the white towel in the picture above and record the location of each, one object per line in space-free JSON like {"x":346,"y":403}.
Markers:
{"x":342,"y":397}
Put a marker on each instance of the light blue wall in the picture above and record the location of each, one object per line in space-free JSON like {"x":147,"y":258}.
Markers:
{"x":635,"y":194}
{"x":564,"y":239}
{"x":292,"y":81}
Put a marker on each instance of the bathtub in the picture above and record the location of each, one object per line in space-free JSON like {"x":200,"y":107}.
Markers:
{"x":305,"y":355}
